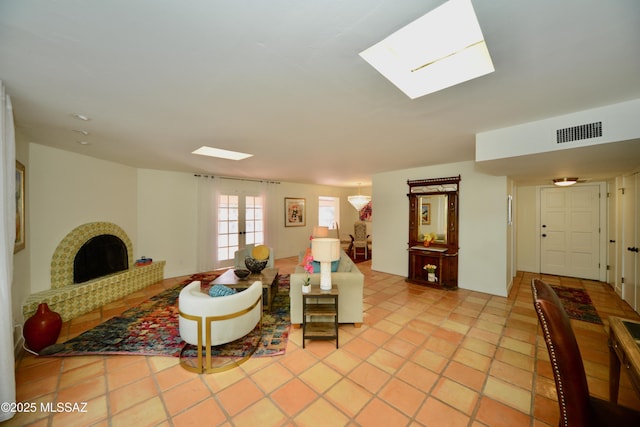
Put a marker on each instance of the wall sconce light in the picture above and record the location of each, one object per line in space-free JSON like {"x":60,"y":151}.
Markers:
{"x":564,"y":182}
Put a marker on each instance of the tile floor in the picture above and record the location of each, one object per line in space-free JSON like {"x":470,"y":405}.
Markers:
{"x":423,"y":357}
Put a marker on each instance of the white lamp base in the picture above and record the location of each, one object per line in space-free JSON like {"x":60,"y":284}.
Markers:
{"x":325,"y":276}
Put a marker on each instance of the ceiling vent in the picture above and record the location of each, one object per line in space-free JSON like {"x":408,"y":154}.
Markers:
{"x":575,"y":133}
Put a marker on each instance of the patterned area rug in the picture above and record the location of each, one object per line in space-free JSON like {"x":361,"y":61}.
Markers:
{"x":577,"y":304}
{"x":151,"y":329}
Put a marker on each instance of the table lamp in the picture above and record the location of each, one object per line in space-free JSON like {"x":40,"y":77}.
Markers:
{"x":325,"y":250}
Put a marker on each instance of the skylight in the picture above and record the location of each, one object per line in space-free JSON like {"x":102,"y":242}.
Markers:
{"x":441,"y":49}
{"x":220,"y":153}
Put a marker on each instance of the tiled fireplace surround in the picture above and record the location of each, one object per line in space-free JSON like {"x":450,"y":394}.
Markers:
{"x":71,"y":300}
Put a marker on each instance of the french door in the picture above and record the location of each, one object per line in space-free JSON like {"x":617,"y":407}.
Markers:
{"x":240,"y":223}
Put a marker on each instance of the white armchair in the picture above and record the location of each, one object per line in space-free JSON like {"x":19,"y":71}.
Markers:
{"x":207,"y":321}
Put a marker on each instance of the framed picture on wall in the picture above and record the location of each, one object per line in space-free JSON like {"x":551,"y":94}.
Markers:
{"x":426,"y":213}
{"x":294,"y":212}
{"x":20,"y":229}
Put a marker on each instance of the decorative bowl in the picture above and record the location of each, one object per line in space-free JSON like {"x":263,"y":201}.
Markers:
{"x":255,"y":266}
{"x":241,"y":273}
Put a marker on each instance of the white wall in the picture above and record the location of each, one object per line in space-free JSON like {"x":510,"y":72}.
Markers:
{"x":67,"y":190}
{"x":482,"y":225}
{"x":167,"y":220}
{"x":527,"y":229}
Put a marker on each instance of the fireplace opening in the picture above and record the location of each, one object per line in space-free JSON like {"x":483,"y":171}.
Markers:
{"x":100,"y":256}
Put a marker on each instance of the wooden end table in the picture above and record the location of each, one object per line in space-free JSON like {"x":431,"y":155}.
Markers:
{"x":268,"y":277}
{"x":320,"y":303}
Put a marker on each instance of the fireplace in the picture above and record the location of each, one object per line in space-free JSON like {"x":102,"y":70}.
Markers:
{"x":73,"y":296}
{"x":100,"y":256}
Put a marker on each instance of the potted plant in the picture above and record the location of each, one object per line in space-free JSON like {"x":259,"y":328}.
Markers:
{"x":431,"y":272}
{"x":308,"y":267}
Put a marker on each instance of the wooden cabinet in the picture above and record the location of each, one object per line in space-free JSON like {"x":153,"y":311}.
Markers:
{"x":433,"y":216}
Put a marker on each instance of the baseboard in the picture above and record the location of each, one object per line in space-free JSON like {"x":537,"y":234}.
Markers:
{"x":17,"y":346}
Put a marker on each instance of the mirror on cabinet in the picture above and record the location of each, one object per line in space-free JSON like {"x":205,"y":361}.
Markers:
{"x":433,"y":232}
{"x":433,"y":218}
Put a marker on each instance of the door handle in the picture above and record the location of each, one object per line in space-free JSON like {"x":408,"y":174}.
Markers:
{"x":612,"y":241}
{"x":633,"y":249}
{"x":544,"y":235}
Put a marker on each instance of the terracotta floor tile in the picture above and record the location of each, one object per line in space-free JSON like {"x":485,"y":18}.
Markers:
{"x":320,"y":377}
{"x":293,"y":396}
{"x":465,"y":375}
{"x":321,"y":410}
{"x":496,"y":414}
{"x":239,"y":396}
{"x":402,"y":396}
{"x":423,"y":357}
{"x":436,"y":413}
{"x":271,"y":377}
{"x":207,"y":410}
{"x":149,"y":412}
{"x":348,"y":396}
{"x":369,"y":377}
{"x":456,"y":395}
{"x":379,"y":413}
{"x":185,"y":395}
{"x":264,"y":410}
{"x":508,"y":394}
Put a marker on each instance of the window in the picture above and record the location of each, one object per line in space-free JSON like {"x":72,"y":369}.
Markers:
{"x":328,"y":211}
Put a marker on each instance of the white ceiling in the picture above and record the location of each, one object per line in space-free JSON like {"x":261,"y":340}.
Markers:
{"x":283,"y":80}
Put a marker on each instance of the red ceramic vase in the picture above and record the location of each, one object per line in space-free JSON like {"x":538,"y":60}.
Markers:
{"x":42,"y":329}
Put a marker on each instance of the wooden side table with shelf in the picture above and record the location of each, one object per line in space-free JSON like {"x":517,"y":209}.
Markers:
{"x":323,"y":304}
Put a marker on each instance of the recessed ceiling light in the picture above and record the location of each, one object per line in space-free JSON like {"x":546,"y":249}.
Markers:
{"x":80,"y":131}
{"x":223,"y":154}
{"x":441,"y":49}
{"x":81,"y":117}
{"x":84,"y":142}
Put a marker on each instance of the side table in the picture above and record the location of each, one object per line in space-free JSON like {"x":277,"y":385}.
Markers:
{"x":320,"y":304}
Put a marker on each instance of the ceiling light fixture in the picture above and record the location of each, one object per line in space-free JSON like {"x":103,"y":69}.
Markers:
{"x":564,"y":182}
{"x":81,"y":117}
{"x":359,"y":201}
{"x":441,"y":49}
{"x":220,"y":153}
{"x":81,"y":131}
{"x":83,"y":142}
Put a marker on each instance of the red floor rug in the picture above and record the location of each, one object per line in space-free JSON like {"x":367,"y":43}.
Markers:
{"x":151,"y":329}
{"x":577,"y":304}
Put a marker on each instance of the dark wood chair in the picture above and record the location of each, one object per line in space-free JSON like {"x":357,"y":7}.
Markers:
{"x":577,"y":407}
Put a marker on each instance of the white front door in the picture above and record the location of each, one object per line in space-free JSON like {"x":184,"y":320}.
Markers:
{"x":240,"y":223}
{"x":570,"y":231}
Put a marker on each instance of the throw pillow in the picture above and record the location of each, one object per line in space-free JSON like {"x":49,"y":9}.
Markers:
{"x":221,"y":291}
{"x":260,"y":252}
{"x":334,"y":266}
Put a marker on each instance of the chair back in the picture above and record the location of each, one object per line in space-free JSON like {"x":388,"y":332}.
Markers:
{"x":564,"y":354}
{"x":360,"y":231}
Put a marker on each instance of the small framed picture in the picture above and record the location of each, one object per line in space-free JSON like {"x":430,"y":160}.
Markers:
{"x":20,"y":216}
{"x":426,"y":213}
{"x":294,"y":212}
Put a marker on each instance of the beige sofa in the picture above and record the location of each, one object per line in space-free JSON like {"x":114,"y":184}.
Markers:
{"x":349,"y":281}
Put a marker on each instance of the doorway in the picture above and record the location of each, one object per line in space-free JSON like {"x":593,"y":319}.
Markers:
{"x":240,"y":223}
{"x":570,"y":231}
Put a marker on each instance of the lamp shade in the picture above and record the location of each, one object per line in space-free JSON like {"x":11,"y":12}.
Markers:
{"x":325,"y":249}
{"x":320,"y":231}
